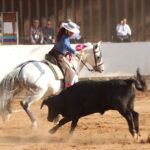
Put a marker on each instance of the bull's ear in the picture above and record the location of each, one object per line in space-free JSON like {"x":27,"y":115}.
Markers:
{"x":45,"y":102}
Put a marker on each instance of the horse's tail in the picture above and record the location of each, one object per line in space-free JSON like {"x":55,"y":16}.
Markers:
{"x":139,"y":81}
{"x":8,"y":87}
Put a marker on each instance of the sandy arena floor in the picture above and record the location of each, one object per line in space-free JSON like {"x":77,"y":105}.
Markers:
{"x":94,"y":132}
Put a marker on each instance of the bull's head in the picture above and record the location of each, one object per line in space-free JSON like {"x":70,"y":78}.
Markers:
{"x":52,"y":113}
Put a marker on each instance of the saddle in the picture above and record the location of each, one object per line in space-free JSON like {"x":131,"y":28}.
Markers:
{"x":54,"y":66}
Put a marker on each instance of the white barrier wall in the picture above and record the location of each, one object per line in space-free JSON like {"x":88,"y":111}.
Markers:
{"x":120,"y":59}
{"x":11,"y":56}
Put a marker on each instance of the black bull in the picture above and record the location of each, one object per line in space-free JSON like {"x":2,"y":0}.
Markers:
{"x":87,"y":97}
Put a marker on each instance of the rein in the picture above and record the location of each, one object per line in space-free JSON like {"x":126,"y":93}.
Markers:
{"x":96,"y":63}
{"x":91,"y":70}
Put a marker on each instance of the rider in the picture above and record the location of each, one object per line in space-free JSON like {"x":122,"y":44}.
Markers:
{"x":62,"y":47}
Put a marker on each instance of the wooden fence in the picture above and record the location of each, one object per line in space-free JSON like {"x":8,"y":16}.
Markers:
{"x":97,"y":18}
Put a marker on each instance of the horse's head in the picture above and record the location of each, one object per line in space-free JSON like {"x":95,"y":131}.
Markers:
{"x":93,"y":56}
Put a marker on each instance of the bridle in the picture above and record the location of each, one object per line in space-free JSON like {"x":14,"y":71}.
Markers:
{"x":91,"y":70}
{"x":97,"y":64}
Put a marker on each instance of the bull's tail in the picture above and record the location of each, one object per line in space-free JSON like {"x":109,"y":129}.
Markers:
{"x":139,"y":81}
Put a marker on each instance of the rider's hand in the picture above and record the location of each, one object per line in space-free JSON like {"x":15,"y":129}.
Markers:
{"x":79,"y":47}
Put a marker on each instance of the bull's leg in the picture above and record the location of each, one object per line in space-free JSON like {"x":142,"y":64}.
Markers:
{"x":136,"y":120}
{"x":136,"y":124}
{"x":129,"y":117}
{"x":73,"y":125}
{"x":61,"y":123}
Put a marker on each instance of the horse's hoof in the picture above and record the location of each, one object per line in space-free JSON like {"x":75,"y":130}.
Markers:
{"x":34,"y":125}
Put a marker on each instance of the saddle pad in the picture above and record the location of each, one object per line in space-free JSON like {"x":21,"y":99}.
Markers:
{"x":56,"y":70}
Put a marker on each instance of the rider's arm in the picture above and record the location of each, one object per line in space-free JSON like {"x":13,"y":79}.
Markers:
{"x":68,"y":46}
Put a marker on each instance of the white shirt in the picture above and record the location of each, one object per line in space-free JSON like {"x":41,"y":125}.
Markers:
{"x":123,"y":30}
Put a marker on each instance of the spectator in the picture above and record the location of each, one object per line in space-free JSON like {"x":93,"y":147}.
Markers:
{"x":48,"y":33}
{"x":36,"y":34}
{"x":123,"y":31}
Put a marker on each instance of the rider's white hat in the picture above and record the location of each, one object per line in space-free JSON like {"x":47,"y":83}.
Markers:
{"x":71,"y":26}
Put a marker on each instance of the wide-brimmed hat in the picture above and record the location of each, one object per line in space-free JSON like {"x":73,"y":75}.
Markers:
{"x":71,"y":26}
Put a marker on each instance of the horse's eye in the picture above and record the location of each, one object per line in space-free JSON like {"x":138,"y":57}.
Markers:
{"x":98,"y":58}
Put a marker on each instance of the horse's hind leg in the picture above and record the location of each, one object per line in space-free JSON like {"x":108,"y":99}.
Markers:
{"x":27,"y":101}
{"x":29,"y":113}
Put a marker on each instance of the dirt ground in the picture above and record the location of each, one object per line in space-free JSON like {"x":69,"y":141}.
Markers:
{"x":94,"y":132}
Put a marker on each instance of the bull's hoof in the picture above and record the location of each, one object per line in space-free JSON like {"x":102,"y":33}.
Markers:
{"x":56,"y":120}
{"x":53,"y":130}
{"x":137,"y":137}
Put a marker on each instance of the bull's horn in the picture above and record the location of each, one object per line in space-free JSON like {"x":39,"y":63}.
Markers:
{"x":43,"y":103}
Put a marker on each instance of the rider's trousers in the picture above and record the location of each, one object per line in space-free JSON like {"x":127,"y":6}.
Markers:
{"x":70,"y":74}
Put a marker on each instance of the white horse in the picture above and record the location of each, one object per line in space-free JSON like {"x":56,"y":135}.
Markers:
{"x":37,"y":78}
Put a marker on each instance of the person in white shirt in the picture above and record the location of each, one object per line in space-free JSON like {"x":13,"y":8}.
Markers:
{"x":123,"y":31}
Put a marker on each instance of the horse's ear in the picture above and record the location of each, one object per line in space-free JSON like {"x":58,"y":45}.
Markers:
{"x":95,"y":45}
{"x":99,"y":43}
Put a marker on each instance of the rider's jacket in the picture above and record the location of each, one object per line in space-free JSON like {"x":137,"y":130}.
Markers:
{"x":64,"y":46}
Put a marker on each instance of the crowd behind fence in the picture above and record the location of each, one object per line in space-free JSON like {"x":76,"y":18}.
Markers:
{"x":99,"y":23}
